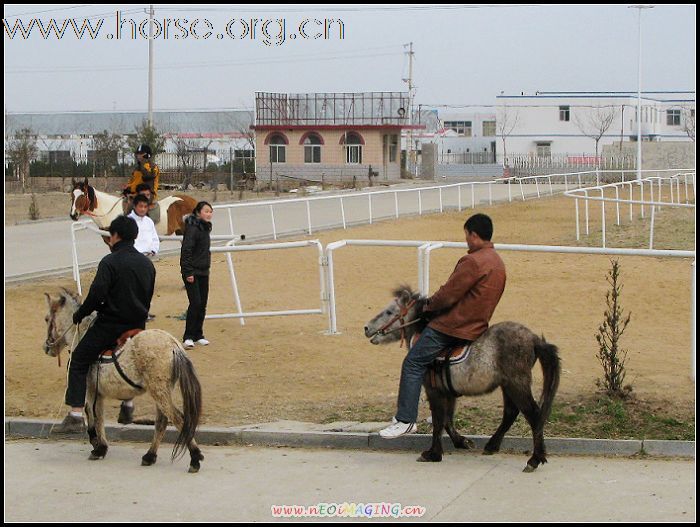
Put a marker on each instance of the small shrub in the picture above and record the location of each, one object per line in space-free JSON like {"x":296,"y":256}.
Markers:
{"x":610,"y":355}
{"x":33,"y":208}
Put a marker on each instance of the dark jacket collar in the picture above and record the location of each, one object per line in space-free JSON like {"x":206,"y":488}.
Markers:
{"x":122,"y":245}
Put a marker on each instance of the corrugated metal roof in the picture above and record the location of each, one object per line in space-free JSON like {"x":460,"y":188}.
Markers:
{"x":89,"y":123}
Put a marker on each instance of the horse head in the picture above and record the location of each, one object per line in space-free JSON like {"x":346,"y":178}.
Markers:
{"x":398,"y":320}
{"x":82,"y":198}
{"x":59,"y":320}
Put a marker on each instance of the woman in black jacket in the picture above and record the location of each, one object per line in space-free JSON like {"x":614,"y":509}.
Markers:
{"x":195,"y":261}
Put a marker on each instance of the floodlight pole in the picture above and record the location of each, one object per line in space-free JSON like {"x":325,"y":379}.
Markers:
{"x":150,"y":66}
{"x":639,"y":91}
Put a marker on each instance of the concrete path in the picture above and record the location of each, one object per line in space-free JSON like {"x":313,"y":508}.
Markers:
{"x":53,"y":481}
{"x":44,"y":248}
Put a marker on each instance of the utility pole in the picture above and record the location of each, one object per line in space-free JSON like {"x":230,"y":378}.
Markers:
{"x":639,"y":91}
{"x":150,"y":66}
{"x":411,"y":88}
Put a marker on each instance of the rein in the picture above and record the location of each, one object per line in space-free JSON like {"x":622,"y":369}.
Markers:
{"x":400,"y":317}
{"x":93,"y":215}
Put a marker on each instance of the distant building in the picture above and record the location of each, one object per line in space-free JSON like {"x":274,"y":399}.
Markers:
{"x":564,"y":123}
{"x":460,"y":136}
{"x":333,"y":135}
{"x":68,"y":136}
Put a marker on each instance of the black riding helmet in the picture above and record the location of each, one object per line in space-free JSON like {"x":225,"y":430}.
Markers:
{"x":144,"y":149}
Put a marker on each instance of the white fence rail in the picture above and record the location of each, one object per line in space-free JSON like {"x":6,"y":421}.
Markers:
{"x":654,"y":184}
{"x":424,"y":248}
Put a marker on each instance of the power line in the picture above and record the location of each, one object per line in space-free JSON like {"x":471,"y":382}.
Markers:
{"x":48,"y":11}
{"x":245,"y":8}
{"x":291,"y":59}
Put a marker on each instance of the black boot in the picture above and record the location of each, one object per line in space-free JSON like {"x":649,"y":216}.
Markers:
{"x":126,"y":415}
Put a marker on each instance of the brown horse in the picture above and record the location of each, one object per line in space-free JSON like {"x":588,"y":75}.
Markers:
{"x":503,"y":357}
{"x":103,"y":208}
{"x":152,"y":362}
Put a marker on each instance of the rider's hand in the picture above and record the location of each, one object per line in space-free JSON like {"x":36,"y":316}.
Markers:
{"x":190,"y":279}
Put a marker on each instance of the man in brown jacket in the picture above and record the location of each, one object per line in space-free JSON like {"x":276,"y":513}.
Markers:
{"x":461,"y":311}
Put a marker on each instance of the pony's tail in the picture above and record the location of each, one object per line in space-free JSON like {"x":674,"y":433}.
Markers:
{"x":551,"y":369}
{"x":191,"y":390}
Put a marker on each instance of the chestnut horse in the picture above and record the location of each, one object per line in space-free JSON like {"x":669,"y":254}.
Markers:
{"x":103,"y":208}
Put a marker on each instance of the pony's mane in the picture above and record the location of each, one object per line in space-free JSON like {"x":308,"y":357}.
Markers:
{"x":407,"y":289}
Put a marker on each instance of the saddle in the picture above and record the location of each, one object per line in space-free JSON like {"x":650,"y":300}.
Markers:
{"x":111,"y":355}
{"x":439,"y":376}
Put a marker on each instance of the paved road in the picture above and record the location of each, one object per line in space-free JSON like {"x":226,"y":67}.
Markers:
{"x":38,"y":248}
{"x":54,"y":481}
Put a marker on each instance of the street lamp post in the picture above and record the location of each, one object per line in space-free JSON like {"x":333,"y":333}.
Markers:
{"x":639,"y":91}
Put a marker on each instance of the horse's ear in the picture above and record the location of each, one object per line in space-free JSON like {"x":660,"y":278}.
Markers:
{"x":73,"y":182}
{"x":71,"y":294}
{"x":86,"y":181}
{"x":48,"y":299}
{"x":405,"y":296}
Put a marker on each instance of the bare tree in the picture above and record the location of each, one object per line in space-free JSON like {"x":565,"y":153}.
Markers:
{"x":595,"y":123}
{"x":107,"y":147}
{"x":688,"y":122}
{"x":148,"y":135}
{"x":21,"y":151}
{"x":506,"y":122}
{"x":190,"y":158}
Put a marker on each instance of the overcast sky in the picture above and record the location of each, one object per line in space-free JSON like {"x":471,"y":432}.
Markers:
{"x":464,"y":55}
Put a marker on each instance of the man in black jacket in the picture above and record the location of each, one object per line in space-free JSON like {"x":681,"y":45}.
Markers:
{"x":121,"y":294}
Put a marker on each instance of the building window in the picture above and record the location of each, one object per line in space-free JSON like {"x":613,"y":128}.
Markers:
{"x":544,"y":149}
{"x":489,"y":128}
{"x":353,"y":149}
{"x":463,"y":128}
{"x":673,"y":117}
{"x":312,"y":149}
{"x":564,"y":113}
{"x":278,"y":149}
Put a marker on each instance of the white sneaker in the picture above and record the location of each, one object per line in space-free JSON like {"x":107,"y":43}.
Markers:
{"x":189,"y":344}
{"x":397,"y":429}
{"x":203,"y":342}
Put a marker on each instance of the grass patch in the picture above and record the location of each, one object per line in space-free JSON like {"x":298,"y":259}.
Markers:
{"x":597,"y":416}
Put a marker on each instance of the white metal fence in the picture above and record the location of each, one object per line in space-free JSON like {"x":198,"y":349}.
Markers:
{"x":424,"y":248}
{"x":681,"y":187}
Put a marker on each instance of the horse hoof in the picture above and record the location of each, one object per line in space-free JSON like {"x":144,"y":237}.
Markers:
{"x":529,"y":468}
{"x":193,"y":470}
{"x":148,"y":459}
{"x":489,"y":452}
{"x":429,"y":457}
{"x":95,"y":457}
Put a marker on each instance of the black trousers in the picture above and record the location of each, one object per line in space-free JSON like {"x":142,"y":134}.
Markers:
{"x":198,"y":295}
{"x":99,"y":337}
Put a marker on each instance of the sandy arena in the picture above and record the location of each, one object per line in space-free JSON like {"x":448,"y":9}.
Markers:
{"x":286,"y":368}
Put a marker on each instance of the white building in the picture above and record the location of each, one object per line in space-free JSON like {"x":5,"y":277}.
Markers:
{"x":550,"y":124}
{"x":460,"y":136}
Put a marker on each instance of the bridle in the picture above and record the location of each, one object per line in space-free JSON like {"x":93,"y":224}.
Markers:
{"x":53,"y":342}
{"x":89,"y":203}
{"x":400,"y":316}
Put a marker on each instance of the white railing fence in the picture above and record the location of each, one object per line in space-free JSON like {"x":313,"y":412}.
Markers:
{"x":681,"y":191}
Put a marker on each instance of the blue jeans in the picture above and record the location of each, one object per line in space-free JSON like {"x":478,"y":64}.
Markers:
{"x":419,"y":357}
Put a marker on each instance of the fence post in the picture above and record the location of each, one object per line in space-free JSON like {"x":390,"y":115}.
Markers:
{"x":274,"y":229}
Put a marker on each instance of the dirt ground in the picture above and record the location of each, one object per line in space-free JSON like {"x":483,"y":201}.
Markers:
{"x":287,"y":368}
